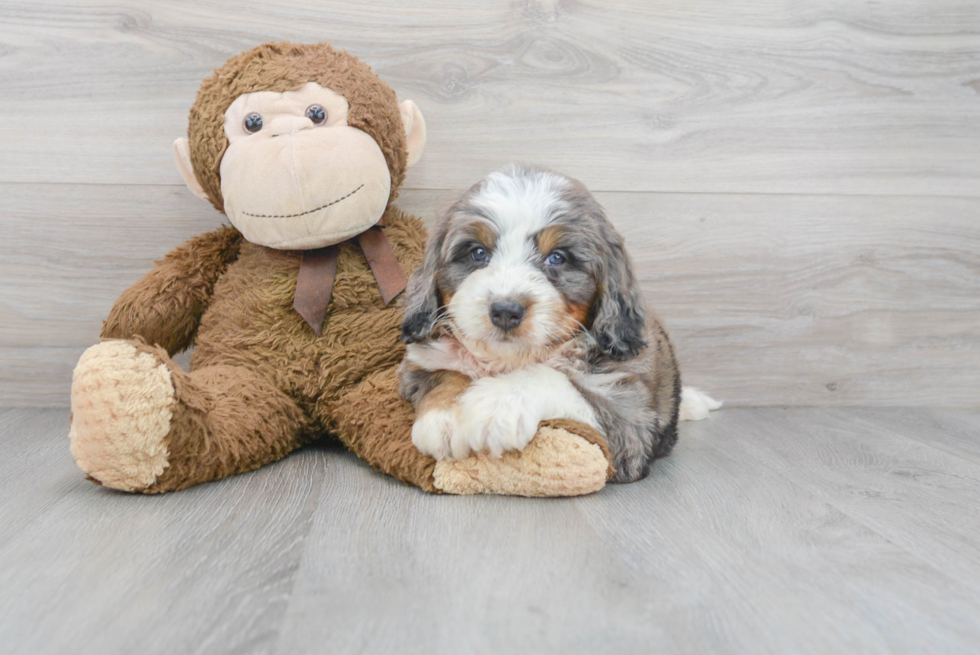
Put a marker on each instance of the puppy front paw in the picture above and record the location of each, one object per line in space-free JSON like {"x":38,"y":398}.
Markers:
{"x":433,"y":432}
{"x":497,"y":420}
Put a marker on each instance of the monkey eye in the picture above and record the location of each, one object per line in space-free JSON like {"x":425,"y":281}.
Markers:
{"x":253,"y":123}
{"x":556,"y":258}
{"x":317,"y":114}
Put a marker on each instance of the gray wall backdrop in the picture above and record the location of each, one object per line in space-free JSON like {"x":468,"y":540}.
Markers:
{"x":799,"y":182}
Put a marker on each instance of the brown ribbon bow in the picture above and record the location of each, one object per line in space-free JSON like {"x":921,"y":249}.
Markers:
{"x":318,"y":270}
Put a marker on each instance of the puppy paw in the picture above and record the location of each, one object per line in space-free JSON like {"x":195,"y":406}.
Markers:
{"x":496,"y":419}
{"x":433,"y":433}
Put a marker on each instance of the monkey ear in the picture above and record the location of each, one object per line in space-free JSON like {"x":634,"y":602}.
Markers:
{"x":414,"y":130}
{"x":182,"y":155}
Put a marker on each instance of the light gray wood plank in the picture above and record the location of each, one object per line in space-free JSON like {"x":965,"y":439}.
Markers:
{"x":391,"y":569}
{"x":741,"y":541}
{"x":920,"y":498}
{"x":36,"y":470}
{"x":731,"y":531}
{"x":714,"y":552}
{"x":770,"y":300}
{"x":91,"y":570}
{"x":955,"y":431}
{"x":771,"y":96}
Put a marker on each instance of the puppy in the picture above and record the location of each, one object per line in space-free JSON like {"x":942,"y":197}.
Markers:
{"x":526,"y":308}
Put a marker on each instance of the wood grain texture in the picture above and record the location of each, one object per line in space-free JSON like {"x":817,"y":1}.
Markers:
{"x":875,"y":475}
{"x":767,"y":531}
{"x":798,"y":184}
{"x":716,"y":552}
{"x":745,"y":96}
{"x":955,"y":432}
{"x":751,"y":560}
{"x":89,"y":570}
{"x":770,"y":300}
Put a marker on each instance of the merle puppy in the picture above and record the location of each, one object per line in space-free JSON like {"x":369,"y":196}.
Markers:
{"x":526,"y":308}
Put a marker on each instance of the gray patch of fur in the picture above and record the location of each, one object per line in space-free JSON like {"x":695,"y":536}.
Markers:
{"x":635,"y":402}
{"x":415,"y":382}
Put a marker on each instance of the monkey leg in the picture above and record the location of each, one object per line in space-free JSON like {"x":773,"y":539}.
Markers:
{"x":565,"y":458}
{"x":376,"y":424}
{"x":141,"y":424}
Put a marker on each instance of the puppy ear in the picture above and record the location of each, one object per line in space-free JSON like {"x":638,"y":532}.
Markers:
{"x":422,"y":301}
{"x":619,"y":313}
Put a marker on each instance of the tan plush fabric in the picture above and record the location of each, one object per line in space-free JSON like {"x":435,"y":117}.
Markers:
{"x":556,"y":463}
{"x":415,"y":129}
{"x":588,"y":433}
{"x":122,"y":404}
{"x":339,"y":189}
{"x":352,"y":196}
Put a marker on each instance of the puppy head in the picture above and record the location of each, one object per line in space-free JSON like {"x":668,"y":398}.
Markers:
{"x":524,"y":260}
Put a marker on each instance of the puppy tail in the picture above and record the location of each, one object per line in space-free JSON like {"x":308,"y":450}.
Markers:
{"x":696,"y":404}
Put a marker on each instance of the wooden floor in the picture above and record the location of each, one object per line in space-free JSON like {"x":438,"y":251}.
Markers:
{"x":768,"y":530}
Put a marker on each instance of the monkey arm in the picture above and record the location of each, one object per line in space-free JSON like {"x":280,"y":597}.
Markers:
{"x":165,"y":306}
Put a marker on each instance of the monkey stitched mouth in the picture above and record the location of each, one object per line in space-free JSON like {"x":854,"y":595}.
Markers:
{"x":306,"y":212}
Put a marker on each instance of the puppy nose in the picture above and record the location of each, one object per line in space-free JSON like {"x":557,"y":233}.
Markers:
{"x":506,"y":314}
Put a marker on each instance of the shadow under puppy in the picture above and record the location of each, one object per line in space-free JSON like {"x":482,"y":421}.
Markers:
{"x":526,"y":308}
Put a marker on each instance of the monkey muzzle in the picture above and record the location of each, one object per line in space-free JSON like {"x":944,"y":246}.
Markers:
{"x":304,"y":187}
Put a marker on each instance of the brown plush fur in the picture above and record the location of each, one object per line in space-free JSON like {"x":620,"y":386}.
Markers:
{"x":261,"y":382}
{"x":178,"y":290}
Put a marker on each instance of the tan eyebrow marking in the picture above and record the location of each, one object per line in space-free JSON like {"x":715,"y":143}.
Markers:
{"x":485,"y":235}
{"x":549,"y":238}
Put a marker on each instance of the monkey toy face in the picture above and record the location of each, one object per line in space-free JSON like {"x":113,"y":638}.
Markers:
{"x":295,"y":174}
{"x":304,"y":167}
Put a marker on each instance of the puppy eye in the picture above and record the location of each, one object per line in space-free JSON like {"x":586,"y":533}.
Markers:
{"x":253,"y":123}
{"x":317,"y":114}
{"x":555,"y":259}
{"x":479,"y":254}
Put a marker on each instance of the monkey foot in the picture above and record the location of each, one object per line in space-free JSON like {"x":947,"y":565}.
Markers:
{"x":565,"y":458}
{"x":122,"y":403}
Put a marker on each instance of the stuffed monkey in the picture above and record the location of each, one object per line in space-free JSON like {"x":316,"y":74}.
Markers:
{"x":291,"y":313}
